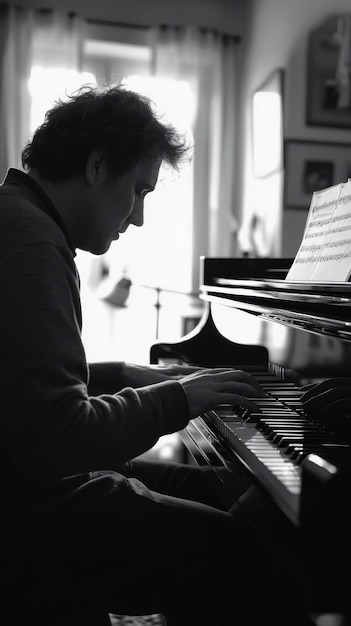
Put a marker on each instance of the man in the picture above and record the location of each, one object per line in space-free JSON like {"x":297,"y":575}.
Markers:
{"x":88,"y":526}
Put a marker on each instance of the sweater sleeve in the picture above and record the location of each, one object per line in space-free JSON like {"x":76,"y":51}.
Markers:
{"x":51,"y":426}
{"x":104,"y":377}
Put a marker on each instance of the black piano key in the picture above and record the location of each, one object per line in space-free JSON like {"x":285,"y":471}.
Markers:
{"x":285,"y":394}
{"x":289,"y":424}
{"x":294,"y":404}
{"x":268,"y":430}
{"x":251,"y":416}
{"x":284,"y":440}
{"x":277,"y":436}
{"x":268,"y":402}
{"x":270,"y":419}
{"x":285,"y":415}
{"x":274,"y":434}
{"x":300,"y":430}
{"x":298,"y":451}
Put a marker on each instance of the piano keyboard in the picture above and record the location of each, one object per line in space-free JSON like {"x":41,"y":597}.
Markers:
{"x":274,"y":442}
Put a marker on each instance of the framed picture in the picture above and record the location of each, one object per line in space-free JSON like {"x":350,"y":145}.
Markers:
{"x":267,"y":125}
{"x":329,"y":74}
{"x":311,"y":166}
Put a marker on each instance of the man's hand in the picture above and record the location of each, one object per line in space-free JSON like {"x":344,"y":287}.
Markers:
{"x":319,"y":398}
{"x":330,"y":403}
{"x":207,"y":388}
{"x":142,"y":375}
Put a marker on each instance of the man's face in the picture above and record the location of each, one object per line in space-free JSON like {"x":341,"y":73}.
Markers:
{"x":117,"y":202}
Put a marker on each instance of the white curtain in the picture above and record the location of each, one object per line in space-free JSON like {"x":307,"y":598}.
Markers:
{"x":46,"y":38}
{"x":58,"y":40}
{"x":207,"y":60}
{"x":16,"y":26}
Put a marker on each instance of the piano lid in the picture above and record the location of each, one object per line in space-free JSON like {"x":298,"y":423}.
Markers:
{"x":269,"y":274}
{"x":316,"y":316}
{"x":321,"y":303}
{"x":304,"y":287}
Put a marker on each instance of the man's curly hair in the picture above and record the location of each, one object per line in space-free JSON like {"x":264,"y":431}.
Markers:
{"x":118,"y":121}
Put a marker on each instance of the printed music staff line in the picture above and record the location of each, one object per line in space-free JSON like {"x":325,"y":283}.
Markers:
{"x":325,"y":251}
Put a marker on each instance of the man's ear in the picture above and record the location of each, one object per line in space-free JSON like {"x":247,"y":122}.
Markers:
{"x":95,"y":167}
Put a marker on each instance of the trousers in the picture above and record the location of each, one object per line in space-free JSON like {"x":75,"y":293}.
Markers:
{"x":152,"y":538}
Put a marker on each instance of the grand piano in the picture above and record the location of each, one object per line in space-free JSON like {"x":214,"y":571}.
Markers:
{"x":285,"y":469}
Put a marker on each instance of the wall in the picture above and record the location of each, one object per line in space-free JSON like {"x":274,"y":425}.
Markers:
{"x":277,"y":38}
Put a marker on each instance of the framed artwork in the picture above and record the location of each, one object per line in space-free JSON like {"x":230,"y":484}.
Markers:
{"x":311,"y":166}
{"x":267,"y":125}
{"x":329,"y":73}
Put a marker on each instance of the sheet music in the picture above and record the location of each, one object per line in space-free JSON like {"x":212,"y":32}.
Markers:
{"x":325,"y":250}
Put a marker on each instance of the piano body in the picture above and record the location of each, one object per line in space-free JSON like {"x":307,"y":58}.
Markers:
{"x":287,"y":335}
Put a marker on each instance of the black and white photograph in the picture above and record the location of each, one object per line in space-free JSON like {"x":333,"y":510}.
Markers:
{"x":175,"y":323}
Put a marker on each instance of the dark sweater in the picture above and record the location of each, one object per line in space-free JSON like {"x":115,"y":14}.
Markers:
{"x":50,"y":424}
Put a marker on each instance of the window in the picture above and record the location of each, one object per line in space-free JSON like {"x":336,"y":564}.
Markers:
{"x":159,"y":253}
{"x":166,"y":233}
{"x":48,"y":84}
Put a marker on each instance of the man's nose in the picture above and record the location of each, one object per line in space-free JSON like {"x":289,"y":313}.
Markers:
{"x":137,"y":216}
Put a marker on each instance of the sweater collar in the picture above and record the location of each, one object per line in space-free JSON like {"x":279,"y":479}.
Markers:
{"x":17,"y":177}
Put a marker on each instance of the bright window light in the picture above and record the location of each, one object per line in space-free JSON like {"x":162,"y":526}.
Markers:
{"x":159,"y":253}
{"x":267,"y":128}
{"x":174,"y":98}
{"x":48,"y":84}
